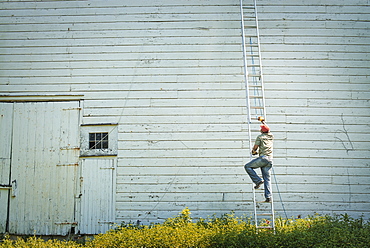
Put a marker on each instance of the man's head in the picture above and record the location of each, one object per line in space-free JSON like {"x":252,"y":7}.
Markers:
{"x":265,"y":128}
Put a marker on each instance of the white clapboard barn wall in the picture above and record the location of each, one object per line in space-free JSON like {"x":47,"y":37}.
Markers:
{"x":167,"y":79}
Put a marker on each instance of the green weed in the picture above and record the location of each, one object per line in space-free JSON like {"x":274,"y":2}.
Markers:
{"x":225,"y":231}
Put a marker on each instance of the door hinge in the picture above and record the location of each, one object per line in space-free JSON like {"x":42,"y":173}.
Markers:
{"x":12,"y":186}
{"x":5,"y":186}
{"x":70,"y":148}
{"x":78,"y":108}
{"x":106,"y":222}
{"x":73,"y":164}
{"x":66,"y":223}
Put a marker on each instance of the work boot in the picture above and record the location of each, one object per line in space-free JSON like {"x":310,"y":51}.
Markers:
{"x":268,"y":199}
{"x":258,"y":185}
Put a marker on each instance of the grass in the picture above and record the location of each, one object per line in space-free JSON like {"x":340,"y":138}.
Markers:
{"x":225,"y":231}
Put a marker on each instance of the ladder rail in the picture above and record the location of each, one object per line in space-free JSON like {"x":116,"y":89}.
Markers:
{"x":260,"y":58}
{"x":255,"y":208}
{"x":246,"y":82}
{"x":271,"y":214}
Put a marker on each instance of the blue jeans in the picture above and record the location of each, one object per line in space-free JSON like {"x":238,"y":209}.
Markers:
{"x":265,"y":163}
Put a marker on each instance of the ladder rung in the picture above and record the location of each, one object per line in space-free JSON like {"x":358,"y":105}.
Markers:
{"x":252,"y":55}
{"x":250,"y":26}
{"x":248,"y":7}
{"x":251,"y":45}
{"x":265,"y":214}
{"x":263,"y":202}
{"x":254,"y":107}
{"x":256,"y":97}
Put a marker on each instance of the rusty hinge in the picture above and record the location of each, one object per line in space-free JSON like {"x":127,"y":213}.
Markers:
{"x":73,"y":164}
{"x":70,"y":148}
{"x":5,"y":186}
{"x":72,"y":109}
{"x":65,"y":223}
{"x":12,"y":186}
{"x":106,"y":222}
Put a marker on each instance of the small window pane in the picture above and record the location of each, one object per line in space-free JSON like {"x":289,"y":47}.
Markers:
{"x":98,"y":141}
{"x":91,"y":145}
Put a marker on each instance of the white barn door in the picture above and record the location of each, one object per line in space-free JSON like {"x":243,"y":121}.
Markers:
{"x":6,"y":120}
{"x":97,"y":195}
{"x":44,"y":167}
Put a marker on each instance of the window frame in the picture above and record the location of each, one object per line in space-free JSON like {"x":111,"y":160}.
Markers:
{"x":103,"y":128}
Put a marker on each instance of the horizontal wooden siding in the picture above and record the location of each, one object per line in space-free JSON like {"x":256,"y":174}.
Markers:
{"x":170,"y":73}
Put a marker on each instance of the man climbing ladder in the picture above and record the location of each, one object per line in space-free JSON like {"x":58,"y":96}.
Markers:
{"x":264,"y":145}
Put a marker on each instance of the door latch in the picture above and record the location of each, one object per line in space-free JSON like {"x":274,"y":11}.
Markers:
{"x":12,"y":186}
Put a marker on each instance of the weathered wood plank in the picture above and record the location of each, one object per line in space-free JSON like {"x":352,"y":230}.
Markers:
{"x":170,"y":111}
{"x":119,"y":10}
{"x":297,"y":188}
{"x":150,"y":178}
{"x":233,"y":164}
{"x":78,"y":81}
{"x":112,"y":51}
{"x":158,"y":103}
{"x":120,"y":71}
{"x":238,"y":110}
{"x":168,"y":127}
{"x":32,"y":35}
{"x":108,"y":18}
{"x":235,"y":197}
{"x":110,"y":41}
{"x":172,"y":60}
{"x":216,"y":206}
{"x":154,"y":144}
{"x":335,"y":174}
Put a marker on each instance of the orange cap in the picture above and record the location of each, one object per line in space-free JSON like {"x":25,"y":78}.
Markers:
{"x":265,"y":128}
